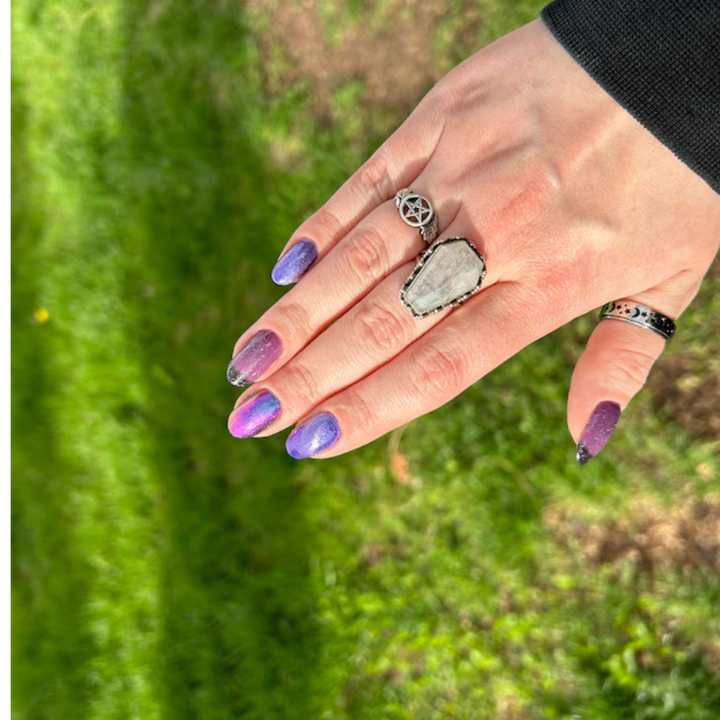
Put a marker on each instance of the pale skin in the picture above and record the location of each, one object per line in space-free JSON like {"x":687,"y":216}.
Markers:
{"x":571,"y":201}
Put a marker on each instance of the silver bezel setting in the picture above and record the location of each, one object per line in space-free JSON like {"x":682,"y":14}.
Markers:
{"x":424,"y":259}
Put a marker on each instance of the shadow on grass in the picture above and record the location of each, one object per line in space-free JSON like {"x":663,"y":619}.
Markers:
{"x":49,"y":577}
{"x":239,"y":637}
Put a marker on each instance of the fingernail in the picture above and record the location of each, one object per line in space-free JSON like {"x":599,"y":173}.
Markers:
{"x":255,"y":415}
{"x":317,"y":434}
{"x":255,"y":357}
{"x":294,"y":262}
{"x":598,"y":431}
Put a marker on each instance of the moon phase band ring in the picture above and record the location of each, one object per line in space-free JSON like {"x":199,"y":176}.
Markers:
{"x":639,"y":315}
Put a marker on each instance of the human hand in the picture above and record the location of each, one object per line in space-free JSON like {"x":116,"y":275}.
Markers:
{"x":570,"y":200}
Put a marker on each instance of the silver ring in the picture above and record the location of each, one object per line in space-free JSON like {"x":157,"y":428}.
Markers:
{"x":639,"y":315}
{"x":417,"y":211}
{"x":448,"y":273}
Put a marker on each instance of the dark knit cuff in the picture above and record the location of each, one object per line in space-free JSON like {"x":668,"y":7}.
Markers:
{"x":660,"y":59}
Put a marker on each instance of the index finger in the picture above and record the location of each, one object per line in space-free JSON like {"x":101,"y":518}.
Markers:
{"x":395,"y":164}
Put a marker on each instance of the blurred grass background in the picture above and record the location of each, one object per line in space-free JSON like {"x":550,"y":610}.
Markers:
{"x":462,"y":567}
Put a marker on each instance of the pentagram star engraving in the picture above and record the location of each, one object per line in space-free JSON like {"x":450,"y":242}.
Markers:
{"x":416,"y":210}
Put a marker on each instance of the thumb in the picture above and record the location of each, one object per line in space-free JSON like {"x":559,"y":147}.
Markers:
{"x":614,"y":366}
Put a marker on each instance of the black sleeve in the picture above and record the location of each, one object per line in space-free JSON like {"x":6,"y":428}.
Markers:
{"x":660,"y":59}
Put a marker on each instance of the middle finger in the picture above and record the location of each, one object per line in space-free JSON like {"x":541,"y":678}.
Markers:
{"x":369,"y":335}
{"x":372,"y":250}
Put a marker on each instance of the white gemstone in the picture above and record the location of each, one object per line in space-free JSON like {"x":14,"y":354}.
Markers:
{"x":452,"y":270}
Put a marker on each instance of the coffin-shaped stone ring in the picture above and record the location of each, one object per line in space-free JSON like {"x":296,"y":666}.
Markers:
{"x":448,"y":273}
{"x":417,"y":211}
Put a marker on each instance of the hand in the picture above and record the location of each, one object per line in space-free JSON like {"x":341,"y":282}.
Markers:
{"x":571,"y":201}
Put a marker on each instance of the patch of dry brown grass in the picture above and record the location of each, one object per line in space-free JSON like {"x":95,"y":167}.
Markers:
{"x":651,"y":537}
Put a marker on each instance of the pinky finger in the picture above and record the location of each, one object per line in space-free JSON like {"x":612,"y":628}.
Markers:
{"x":465,"y":346}
{"x":613,"y":368}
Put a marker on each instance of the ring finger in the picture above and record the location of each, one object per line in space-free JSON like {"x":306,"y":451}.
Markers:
{"x":365,"y":338}
{"x":431,"y":371}
{"x":376,"y":247}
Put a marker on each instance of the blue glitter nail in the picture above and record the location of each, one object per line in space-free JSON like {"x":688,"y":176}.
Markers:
{"x":291,"y":266}
{"x":255,"y":415}
{"x":317,"y":434}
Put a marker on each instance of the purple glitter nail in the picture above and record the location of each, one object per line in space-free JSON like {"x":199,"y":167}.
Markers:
{"x":258,"y":354}
{"x":294,"y":262}
{"x":317,"y":434}
{"x":255,"y":415}
{"x":598,"y":431}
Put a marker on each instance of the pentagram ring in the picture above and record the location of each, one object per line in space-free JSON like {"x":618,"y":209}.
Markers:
{"x":639,"y":315}
{"x":416,"y":211}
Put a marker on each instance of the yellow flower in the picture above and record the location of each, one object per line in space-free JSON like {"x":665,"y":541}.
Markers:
{"x":42,"y":315}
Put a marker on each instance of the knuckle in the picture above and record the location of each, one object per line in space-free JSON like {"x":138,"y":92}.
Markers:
{"x":378,"y":328}
{"x":323,"y":224}
{"x":295,"y":319}
{"x":366,"y":255}
{"x":358,"y":408}
{"x":298,"y":382}
{"x":633,"y":364}
{"x":563,"y":285}
{"x":374,"y":178}
{"x":522,"y":194}
{"x":436,"y":369}
{"x":557,"y":289}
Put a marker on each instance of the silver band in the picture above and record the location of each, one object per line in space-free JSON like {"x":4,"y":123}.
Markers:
{"x":417,"y":211}
{"x":639,"y":315}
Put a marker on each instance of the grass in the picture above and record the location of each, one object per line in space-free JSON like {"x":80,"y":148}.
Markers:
{"x":163,"y":569}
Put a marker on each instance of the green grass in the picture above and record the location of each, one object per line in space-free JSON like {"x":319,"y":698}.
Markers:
{"x":163,"y":569}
